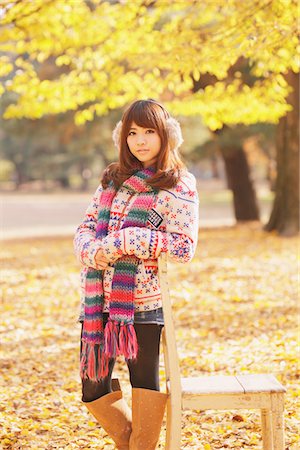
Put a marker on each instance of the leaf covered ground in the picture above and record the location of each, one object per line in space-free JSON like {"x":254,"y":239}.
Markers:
{"x":235,"y":310}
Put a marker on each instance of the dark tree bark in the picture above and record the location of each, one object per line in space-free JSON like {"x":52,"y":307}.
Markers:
{"x":214,"y":166}
{"x":239,"y":181}
{"x":20,"y":177}
{"x":285,"y":213}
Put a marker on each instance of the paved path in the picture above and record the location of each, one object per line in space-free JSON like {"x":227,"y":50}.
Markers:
{"x":30,"y":215}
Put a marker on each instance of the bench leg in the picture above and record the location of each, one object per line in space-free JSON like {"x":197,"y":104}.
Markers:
{"x":266,"y":427}
{"x":278,"y":430}
{"x":173,"y":433}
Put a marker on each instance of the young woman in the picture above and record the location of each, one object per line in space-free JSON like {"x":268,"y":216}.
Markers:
{"x":147,"y":203}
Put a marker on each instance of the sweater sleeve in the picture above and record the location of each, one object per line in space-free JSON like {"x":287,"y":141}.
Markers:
{"x":85,"y":243}
{"x":180,"y":238}
{"x":181,"y":235}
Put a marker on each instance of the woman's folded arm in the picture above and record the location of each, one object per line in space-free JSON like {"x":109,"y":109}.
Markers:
{"x":179,"y":239}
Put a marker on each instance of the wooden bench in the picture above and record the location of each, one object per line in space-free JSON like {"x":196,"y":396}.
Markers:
{"x":257,"y":391}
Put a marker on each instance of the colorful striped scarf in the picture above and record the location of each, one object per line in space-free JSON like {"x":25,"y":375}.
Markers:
{"x":118,"y":337}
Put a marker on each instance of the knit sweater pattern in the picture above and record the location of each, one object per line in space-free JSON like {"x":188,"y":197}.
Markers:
{"x":172,"y":227}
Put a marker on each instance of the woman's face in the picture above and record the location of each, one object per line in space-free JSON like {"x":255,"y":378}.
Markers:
{"x":144,"y":144}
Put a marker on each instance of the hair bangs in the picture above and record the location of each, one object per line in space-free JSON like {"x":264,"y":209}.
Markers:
{"x":145,"y":114}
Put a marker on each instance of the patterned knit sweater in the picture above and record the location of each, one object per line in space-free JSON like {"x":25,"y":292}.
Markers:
{"x":172,"y":227}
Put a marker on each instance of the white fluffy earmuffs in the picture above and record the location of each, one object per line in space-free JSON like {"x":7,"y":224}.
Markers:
{"x":173,"y":131}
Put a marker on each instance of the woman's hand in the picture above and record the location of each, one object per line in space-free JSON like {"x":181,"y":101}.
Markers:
{"x":101,"y":260}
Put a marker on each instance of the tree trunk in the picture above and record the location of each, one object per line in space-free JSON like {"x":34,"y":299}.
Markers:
{"x":285,"y":213}
{"x":239,"y":181}
{"x":20,"y":176}
{"x":214,"y":166}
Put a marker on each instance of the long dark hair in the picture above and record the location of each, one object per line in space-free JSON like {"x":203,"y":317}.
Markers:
{"x":168,"y":166}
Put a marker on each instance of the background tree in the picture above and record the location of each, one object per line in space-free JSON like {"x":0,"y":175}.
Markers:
{"x":285,"y":213}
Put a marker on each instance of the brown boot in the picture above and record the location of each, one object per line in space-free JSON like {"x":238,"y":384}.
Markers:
{"x":148,"y":409}
{"x":114,"y":415}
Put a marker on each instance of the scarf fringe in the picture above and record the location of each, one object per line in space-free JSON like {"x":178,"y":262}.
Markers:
{"x":128,"y":345}
{"x":93,"y":363}
{"x":119,"y":339}
{"x":111,"y":333}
